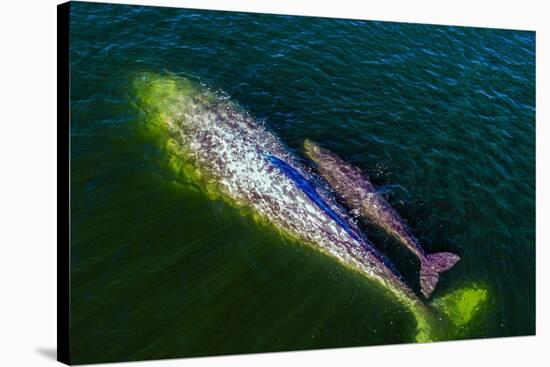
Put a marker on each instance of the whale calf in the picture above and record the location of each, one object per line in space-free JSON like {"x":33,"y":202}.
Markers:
{"x":361,"y":196}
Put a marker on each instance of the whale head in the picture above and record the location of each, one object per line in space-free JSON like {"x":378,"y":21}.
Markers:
{"x":315,"y":152}
{"x":168,"y":100}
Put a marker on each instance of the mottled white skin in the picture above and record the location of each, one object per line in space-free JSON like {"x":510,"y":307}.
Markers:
{"x":229,"y":148}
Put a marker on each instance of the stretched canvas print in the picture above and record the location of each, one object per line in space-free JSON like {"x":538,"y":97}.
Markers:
{"x":242,"y":183}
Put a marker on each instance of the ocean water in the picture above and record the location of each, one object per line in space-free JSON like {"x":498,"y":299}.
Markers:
{"x":441,"y":118}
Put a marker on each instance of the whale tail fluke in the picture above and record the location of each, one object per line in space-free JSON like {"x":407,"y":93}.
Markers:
{"x":452,"y":315}
{"x":431,"y":266}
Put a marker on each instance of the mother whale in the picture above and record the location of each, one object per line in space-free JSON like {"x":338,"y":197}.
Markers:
{"x":231,"y":153}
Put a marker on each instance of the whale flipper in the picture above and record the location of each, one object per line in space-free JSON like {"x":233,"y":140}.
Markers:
{"x":431,"y":266}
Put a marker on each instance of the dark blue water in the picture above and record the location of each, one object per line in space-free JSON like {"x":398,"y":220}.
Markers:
{"x":441,"y":118}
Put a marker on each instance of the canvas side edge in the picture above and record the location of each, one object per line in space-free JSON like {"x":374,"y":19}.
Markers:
{"x":63,"y":184}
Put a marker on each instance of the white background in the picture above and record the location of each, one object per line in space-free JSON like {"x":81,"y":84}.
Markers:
{"x":28,"y":182}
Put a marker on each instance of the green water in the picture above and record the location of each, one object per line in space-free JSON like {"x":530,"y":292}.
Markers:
{"x":441,"y":118}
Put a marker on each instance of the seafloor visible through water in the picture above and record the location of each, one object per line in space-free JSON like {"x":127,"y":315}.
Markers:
{"x":441,"y":118}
